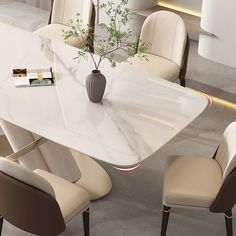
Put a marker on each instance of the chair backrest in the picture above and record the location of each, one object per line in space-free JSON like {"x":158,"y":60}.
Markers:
{"x":66,"y":10}
{"x":226,"y":154}
{"x":28,"y":201}
{"x":167,"y":34}
{"x":226,"y":157}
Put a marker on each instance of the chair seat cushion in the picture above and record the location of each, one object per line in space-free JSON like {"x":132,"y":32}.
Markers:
{"x":71,"y":198}
{"x":191,"y":182}
{"x":156,"y":65}
{"x":54,"y":32}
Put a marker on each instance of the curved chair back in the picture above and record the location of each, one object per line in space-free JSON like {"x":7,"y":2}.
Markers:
{"x":167,"y":34}
{"x":28,"y":201}
{"x":226,"y":154}
{"x":66,"y":10}
{"x":226,"y":157}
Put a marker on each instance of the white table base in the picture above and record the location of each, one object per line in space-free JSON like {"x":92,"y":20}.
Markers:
{"x":71,"y":165}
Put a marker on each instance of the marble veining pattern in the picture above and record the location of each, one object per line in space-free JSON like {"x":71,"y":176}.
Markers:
{"x":139,"y":113}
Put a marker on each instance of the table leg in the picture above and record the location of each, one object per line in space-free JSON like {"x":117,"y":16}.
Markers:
{"x":94,"y":177}
{"x":71,"y":165}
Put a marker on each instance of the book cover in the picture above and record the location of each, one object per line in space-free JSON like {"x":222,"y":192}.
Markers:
{"x":33,"y":77}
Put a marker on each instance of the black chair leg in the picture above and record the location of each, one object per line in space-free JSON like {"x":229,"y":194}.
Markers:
{"x":86,"y":222}
{"x":182,"y":82}
{"x":228,"y":223}
{"x":165,"y":218}
{"x":1,"y":222}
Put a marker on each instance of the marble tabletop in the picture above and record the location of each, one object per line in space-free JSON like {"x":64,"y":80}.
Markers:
{"x":138,"y":115}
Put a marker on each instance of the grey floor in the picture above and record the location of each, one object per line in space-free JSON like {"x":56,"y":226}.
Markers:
{"x":22,"y":15}
{"x":133,"y":208}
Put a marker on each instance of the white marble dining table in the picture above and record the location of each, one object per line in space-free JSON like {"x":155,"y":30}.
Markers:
{"x":139,"y":112}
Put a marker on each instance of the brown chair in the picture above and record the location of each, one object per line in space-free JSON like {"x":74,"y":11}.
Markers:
{"x":196,"y":182}
{"x":169,"y":47}
{"x":38,"y":201}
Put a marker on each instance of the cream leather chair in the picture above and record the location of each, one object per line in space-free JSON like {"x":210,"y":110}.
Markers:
{"x":62,"y":12}
{"x":196,"y":182}
{"x":38,"y":201}
{"x":169,"y":46}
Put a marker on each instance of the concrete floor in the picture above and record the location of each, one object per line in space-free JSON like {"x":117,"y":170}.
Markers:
{"x":133,"y":208}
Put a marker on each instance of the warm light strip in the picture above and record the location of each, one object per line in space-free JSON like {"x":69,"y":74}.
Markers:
{"x":181,"y":9}
{"x":219,"y":101}
{"x":209,"y":98}
{"x":126,"y":169}
{"x":224,"y":103}
{"x":206,"y":95}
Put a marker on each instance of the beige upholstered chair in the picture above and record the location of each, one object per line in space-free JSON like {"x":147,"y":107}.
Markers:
{"x":38,"y":201}
{"x":169,"y":46}
{"x":62,"y":12}
{"x":196,"y":182}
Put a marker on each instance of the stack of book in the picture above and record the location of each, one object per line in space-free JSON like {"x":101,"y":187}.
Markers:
{"x":33,"y":77}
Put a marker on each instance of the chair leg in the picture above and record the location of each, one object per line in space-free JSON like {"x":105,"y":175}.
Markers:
{"x":182,"y":82}
{"x":165,"y":218}
{"x":1,"y":222}
{"x":86,"y":222}
{"x":228,"y":223}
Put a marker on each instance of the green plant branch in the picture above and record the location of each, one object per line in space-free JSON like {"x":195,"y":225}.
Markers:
{"x":116,"y":39}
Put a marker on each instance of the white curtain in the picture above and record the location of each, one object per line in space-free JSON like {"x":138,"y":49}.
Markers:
{"x":43,"y":4}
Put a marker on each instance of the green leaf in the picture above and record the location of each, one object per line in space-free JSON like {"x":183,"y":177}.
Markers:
{"x":117,"y":37}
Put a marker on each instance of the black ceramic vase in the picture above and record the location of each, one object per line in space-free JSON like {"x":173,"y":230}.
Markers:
{"x":95,"y":85}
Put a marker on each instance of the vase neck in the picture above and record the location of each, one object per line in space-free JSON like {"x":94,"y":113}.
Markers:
{"x":96,"y":72}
